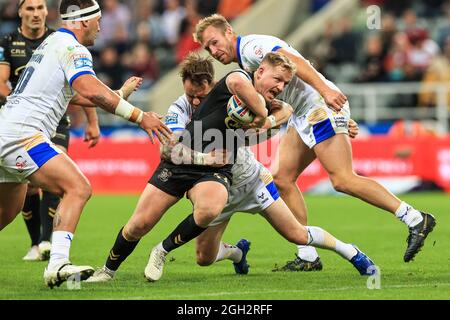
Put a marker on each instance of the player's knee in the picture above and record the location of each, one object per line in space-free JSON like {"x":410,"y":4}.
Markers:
{"x":205,"y":214}
{"x":340,"y":183}
{"x":283,"y":181}
{"x":203,"y":259}
{"x":7,"y":216}
{"x":297,"y":236}
{"x":83,"y":191}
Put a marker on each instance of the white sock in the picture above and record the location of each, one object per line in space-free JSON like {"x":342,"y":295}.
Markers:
{"x":227,"y":251}
{"x":61,"y":241}
{"x":160,"y":247}
{"x":307,"y":253}
{"x":318,"y":237}
{"x":408,"y":215}
{"x":109,"y":271}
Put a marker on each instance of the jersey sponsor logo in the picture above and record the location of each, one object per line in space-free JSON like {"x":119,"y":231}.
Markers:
{"x":262,"y":198}
{"x":82,"y":61}
{"x":21,"y":163}
{"x":18,"y":53}
{"x":258,"y":51}
{"x":171,"y":118}
{"x":18,"y":43}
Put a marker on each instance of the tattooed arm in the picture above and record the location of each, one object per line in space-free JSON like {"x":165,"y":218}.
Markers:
{"x":92,"y":89}
{"x":177,"y":153}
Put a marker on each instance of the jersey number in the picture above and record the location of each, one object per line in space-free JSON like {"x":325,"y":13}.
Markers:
{"x":23,"y":81}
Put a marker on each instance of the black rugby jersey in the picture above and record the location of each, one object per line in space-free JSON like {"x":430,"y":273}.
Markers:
{"x":211,"y":127}
{"x":16,"y":50}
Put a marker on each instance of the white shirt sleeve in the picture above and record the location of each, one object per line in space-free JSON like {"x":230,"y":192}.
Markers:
{"x":179,"y":115}
{"x":254,"y":50}
{"x":75,"y":61}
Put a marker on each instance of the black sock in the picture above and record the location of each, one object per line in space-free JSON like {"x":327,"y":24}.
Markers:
{"x":49,"y":204}
{"x":120,"y":251}
{"x":30,"y":213}
{"x":184,"y":232}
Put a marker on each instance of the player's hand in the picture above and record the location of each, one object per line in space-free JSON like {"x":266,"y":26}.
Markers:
{"x":353,"y":128}
{"x":151,"y":123}
{"x":217,"y":158}
{"x":258,"y":122}
{"x":131,"y":85}
{"x":334,"y":99}
{"x":92,"y":134}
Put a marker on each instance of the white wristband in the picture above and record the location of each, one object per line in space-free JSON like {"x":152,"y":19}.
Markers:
{"x":126,"y":110}
{"x":120,"y":93}
{"x":273,"y":121}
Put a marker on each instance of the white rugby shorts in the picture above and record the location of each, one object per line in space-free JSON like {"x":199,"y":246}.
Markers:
{"x":252,"y":197}
{"x":20,"y":157}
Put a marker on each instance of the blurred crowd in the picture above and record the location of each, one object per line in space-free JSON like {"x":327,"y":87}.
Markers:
{"x":139,"y":37}
{"x":412,"y":44}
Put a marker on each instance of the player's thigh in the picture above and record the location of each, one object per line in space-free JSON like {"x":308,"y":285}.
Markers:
{"x":207,"y":243}
{"x":12,"y":196}
{"x":292,"y":158}
{"x":208,"y":197}
{"x":335,"y":155}
{"x":152,"y":205}
{"x":282,"y":220}
{"x":60,"y":175}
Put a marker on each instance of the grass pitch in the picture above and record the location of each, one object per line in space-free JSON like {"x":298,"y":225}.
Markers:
{"x":378,"y":234}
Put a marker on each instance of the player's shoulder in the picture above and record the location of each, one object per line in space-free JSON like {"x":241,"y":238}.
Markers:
{"x":9,"y":38}
{"x":181,"y":105}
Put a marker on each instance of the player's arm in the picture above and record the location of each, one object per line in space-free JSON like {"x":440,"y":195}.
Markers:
{"x":132,"y":84}
{"x":100,"y":95}
{"x":92,"y":131}
{"x":241,"y":86}
{"x":5,"y":72}
{"x":279,"y":114}
{"x":309,"y":74}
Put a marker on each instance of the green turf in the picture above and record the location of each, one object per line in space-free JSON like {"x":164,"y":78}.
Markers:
{"x":378,"y":234}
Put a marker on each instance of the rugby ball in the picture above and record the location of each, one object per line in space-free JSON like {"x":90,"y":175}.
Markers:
{"x":237,"y":110}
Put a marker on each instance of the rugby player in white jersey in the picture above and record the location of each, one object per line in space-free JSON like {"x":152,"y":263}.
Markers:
{"x":252,"y":189}
{"x":60,"y":71}
{"x":317,"y":129}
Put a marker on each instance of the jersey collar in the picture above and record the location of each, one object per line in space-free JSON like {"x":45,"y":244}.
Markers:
{"x":67,"y":31}
{"x":238,"y":51}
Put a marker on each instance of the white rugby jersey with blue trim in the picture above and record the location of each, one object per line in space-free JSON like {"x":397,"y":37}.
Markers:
{"x":178,"y":117}
{"x":44,"y":90}
{"x":251,"y":50}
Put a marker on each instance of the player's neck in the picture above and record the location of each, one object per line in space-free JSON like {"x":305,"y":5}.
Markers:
{"x":32,"y":34}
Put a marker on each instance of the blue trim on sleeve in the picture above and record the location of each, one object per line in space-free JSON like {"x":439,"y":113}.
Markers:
{"x":323,"y":130}
{"x":273,"y":190}
{"x":238,"y":46}
{"x":42,"y":153}
{"x":80,"y":74}
{"x":276,"y":48}
{"x":64,"y":30}
{"x":176,"y":129}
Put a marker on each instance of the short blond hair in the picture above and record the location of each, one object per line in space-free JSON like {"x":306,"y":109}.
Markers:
{"x":216,"y":20}
{"x":277,"y":59}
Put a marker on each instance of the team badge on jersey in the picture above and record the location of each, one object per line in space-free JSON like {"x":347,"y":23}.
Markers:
{"x":82,"y":61}
{"x":165,"y":175}
{"x":258,"y":51}
{"x":171,"y":118}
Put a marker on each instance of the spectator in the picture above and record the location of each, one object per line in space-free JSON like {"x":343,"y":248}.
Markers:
{"x":142,"y":63}
{"x":171,"y":20}
{"x":115,"y":22}
{"x":110,"y":70}
{"x":439,"y":71}
{"x":230,"y":9}
{"x":207,"y":7}
{"x":373,"y":68}
{"x":186,"y":42}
